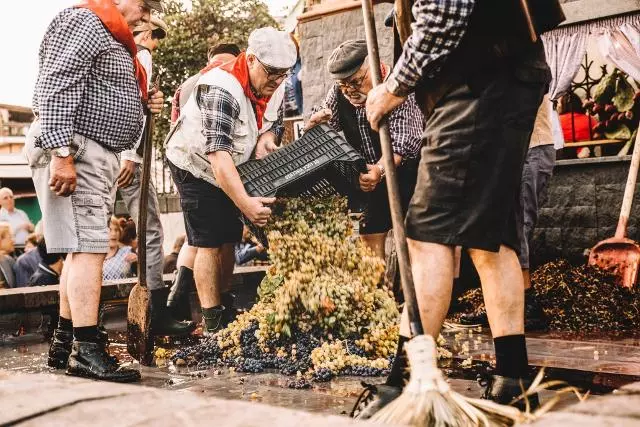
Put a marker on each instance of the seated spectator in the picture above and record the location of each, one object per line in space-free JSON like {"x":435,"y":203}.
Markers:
{"x":171,"y":260}
{"x":49,"y":270}
{"x":574,"y":122}
{"x":129,"y":236}
{"x":7,"y":263}
{"x":20,"y":224}
{"x":26,"y":265}
{"x":249,"y":249}
{"x":117,"y":264}
{"x":31,"y":243}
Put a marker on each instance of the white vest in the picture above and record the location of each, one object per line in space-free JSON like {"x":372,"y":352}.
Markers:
{"x":185,"y":143}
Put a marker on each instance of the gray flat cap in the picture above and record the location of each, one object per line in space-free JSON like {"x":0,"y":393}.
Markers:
{"x":346,"y":59}
{"x":155,"y":5}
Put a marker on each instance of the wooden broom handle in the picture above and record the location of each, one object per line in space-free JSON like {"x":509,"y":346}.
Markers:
{"x":393,"y":190}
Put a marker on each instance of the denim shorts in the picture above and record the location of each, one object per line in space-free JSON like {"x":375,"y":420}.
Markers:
{"x":211,"y":219}
{"x":80,"y":222}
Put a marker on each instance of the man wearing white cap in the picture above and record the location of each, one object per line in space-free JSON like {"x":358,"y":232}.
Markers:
{"x":234,"y":112}
{"x":147,"y":36}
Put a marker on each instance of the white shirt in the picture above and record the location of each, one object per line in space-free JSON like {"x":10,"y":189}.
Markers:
{"x":16,"y":219}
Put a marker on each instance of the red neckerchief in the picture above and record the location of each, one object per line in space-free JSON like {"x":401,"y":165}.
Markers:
{"x":240,"y":71}
{"x":113,"y":20}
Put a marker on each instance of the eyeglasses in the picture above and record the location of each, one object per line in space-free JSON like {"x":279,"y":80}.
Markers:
{"x":274,"y":74}
{"x":354,"y":84}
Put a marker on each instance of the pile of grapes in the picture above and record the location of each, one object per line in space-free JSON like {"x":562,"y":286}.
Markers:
{"x":323,"y":309}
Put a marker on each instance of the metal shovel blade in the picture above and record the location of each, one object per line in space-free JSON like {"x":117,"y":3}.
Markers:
{"x":620,"y":257}
{"x":139,"y":338}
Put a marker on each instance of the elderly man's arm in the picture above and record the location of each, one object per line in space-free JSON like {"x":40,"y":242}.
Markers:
{"x":327,"y":112}
{"x":219,"y":113}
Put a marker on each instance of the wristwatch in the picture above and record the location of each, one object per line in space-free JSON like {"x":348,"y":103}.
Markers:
{"x":397,"y":88}
{"x":61,"y":152}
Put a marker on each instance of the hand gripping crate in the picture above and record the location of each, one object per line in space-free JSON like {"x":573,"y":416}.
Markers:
{"x":321,"y":163}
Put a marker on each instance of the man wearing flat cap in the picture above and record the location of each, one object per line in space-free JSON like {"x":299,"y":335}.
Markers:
{"x":233,"y":113}
{"x":88,"y":103}
{"x":344,"y":109}
{"x":147,"y":36}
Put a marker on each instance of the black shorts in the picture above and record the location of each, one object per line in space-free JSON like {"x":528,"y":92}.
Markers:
{"x":211,"y":219}
{"x":473,"y":152}
{"x":377,"y":215}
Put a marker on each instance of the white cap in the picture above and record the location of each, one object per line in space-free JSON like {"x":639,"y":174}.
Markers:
{"x":273,"y":48}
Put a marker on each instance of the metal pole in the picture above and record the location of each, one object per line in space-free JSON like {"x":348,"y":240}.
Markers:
{"x":397,"y":218}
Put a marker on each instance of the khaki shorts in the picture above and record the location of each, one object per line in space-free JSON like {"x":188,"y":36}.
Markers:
{"x":80,"y":222}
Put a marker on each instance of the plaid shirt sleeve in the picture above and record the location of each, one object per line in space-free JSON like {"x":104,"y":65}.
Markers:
{"x":438,"y":30}
{"x":219,"y":113}
{"x":330,"y":102}
{"x":65,"y":61}
{"x":406,"y":123}
{"x":278,"y":126}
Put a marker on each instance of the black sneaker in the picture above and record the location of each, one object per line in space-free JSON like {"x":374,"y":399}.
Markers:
{"x":505,"y":390}
{"x":478,"y":318}
{"x":534,"y":317}
{"x":372,"y":399}
{"x":90,"y":360}
{"x":60,"y":348}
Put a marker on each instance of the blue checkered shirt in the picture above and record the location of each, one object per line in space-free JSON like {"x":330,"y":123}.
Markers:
{"x":438,"y":30}
{"x":86,"y":85}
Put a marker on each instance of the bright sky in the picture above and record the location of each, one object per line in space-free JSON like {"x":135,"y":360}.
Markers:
{"x":22,"y":25}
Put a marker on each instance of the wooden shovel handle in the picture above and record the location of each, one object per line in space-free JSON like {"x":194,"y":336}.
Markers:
{"x":629,"y":189}
{"x":403,"y":19}
{"x":393,"y":191}
{"x":144,"y":200}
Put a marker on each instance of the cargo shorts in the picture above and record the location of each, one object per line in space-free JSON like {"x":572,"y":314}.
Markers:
{"x":80,"y":222}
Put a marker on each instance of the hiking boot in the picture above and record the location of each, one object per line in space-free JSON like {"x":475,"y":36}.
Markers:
{"x":228,"y":301}
{"x":91,"y":360}
{"x":61,"y":347}
{"x":162,"y":323}
{"x":178,"y":299}
{"x":372,"y":399}
{"x":213,"y":320}
{"x":505,"y":390}
{"x":534,"y":317}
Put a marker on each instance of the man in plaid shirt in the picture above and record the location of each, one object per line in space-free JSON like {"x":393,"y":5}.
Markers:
{"x":480,"y":80}
{"x":88,"y":103}
{"x":344,"y":110}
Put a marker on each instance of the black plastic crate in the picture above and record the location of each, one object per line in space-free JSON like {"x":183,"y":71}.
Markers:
{"x":319,"y":164}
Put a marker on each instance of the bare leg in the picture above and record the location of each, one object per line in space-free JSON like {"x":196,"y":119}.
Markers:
{"x":228,"y":264}
{"x":186,"y":256}
{"x":375,"y":242}
{"x":84,"y":281}
{"x":65,"y":309}
{"x":503,"y":290}
{"x":433,"y":267}
{"x":527,"y":278}
{"x":208,"y":272}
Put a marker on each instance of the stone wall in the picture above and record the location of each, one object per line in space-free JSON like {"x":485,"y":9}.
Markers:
{"x":318,"y":38}
{"x":582,"y":207}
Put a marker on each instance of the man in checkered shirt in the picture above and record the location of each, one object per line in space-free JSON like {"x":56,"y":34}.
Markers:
{"x":344,"y":109}
{"x":480,"y":79}
{"x":88,"y":107}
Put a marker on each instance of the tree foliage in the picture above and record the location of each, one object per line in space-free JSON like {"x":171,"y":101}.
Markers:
{"x":191,"y":33}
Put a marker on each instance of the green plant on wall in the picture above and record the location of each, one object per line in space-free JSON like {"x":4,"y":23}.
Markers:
{"x":191,"y":33}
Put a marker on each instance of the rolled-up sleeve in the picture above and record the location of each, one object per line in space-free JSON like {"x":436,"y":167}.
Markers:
{"x":438,"y":30}
{"x":406,"y":124}
{"x":219,"y":113}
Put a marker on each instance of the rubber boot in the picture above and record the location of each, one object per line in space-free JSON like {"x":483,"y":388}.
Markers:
{"x":178,"y":300}
{"x":230,"y":313}
{"x":213,"y":320}
{"x":90,"y":360}
{"x":162,"y":323}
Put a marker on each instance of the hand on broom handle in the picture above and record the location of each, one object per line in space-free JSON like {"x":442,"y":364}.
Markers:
{"x":397,"y":219}
{"x":629,"y":189}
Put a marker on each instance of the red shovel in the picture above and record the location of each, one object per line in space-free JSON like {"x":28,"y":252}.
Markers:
{"x":620,"y":255}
